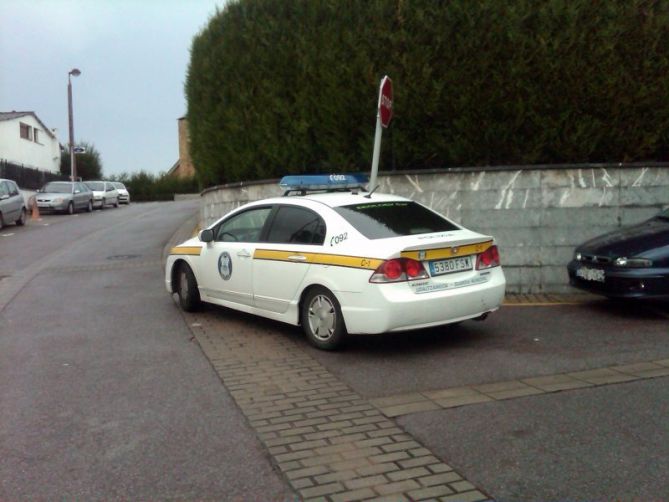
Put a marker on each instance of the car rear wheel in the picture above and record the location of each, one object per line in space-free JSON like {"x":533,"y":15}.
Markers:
{"x":189,"y":295}
{"x":2,"y":221}
{"x":70,"y":208}
{"x":322,"y":320}
{"x":22,"y":219}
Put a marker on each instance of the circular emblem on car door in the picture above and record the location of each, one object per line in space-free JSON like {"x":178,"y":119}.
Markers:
{"x":225,"y":265}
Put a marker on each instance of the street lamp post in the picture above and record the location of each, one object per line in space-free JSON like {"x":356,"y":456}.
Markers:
{"x":73,"y":164}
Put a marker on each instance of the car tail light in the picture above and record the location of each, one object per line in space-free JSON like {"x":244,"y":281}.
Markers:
{"x":488,"y":259}
{"x":398,"y":270}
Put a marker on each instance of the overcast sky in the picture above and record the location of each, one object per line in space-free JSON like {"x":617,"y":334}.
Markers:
{"x":133,"y":57}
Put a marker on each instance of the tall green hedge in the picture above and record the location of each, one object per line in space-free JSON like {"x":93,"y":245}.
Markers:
{"x":278,"y":86}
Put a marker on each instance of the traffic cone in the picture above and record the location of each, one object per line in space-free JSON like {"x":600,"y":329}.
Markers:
{"x":35,"y":210}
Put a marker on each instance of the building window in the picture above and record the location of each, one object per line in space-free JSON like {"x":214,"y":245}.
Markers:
{"x":26,"y":131}
{"x":35,"y":135}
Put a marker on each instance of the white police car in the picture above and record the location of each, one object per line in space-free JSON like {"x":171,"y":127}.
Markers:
{"x":339,"y":260}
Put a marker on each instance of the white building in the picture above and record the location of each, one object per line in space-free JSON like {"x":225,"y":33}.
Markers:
{"x":25,"y":140}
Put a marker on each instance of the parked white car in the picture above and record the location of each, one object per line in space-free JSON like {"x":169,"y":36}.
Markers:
{"x":342,"y":261}
{"x":104,"y":193}
{"x":123,"y":194}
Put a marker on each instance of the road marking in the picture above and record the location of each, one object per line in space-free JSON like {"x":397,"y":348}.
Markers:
{"x":541,"y":304}
{"x":6,"y":235}
{"x":453,"y":397}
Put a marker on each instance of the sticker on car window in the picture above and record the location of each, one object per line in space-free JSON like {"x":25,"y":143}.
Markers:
{"x":225,"y":265}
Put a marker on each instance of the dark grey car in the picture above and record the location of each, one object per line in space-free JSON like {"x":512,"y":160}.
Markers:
{"x":12,"y":204}
{"x":65,"y":197}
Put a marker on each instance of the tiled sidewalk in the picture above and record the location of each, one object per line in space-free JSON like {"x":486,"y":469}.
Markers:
{"x":330,"y":443}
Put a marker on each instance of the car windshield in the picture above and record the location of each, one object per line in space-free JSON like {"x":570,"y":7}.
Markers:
{"x":58,"y":187}
{"x":96,"y":185}
{"x":378,"y":220}
{"x":119,"y":185}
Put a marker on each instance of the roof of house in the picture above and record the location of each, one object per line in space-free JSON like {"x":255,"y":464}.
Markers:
{"x":15,"y":115}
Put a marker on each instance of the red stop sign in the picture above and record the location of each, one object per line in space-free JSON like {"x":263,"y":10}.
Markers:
{"x":386,"y":101}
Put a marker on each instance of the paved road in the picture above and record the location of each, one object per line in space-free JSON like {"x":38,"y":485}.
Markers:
{"x":131,"y":399}
{"x":103,"y":392}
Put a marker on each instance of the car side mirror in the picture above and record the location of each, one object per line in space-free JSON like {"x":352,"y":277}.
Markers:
{"x":206,"y":235}
{"x":77,"y":191}
{"x":4,"y":197}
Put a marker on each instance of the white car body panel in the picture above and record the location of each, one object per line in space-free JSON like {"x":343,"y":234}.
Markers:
{"x":269,"y":279}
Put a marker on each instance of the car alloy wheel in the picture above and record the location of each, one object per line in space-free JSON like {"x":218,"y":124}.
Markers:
{"x":70,"y":208}
{"x":322,"y":321}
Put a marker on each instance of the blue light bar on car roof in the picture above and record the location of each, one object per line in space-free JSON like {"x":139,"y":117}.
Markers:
{"x":323,"y":181}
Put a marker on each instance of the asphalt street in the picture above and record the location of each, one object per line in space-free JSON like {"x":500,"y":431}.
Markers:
{"x":106,"y":393}
{"x":103,"y":392}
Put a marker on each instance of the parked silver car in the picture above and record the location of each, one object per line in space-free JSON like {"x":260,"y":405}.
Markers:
{"x":104,"y":193}
{"x":12,"y":204}
{"x":64,"y":196}
{"x":123,"y":194}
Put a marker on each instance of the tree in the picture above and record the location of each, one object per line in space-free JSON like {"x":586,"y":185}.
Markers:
{"x":89,"y":165}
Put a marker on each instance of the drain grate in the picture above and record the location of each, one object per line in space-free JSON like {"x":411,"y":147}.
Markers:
{"x":123,"y":257}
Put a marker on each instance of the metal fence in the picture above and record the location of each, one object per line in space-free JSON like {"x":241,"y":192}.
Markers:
{"x":26,"y":177}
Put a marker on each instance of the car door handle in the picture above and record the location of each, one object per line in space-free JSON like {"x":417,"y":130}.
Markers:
{"x":243,"y":254}
{"x":297,"y":257}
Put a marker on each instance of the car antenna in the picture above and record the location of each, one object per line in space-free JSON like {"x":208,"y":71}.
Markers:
{"x":369,"y":195}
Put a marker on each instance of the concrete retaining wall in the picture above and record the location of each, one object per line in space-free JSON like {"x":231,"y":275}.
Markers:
{"x":537,"y":214}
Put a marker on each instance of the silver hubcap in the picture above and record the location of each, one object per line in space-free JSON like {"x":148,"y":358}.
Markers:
{"x":322,"y":317}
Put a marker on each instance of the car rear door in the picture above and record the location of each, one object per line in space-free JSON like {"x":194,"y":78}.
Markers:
{"x":295,"y":235}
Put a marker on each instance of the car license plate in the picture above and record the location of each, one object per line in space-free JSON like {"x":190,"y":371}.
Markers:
{"x":591,"y":274}
{"x":451,"y":265}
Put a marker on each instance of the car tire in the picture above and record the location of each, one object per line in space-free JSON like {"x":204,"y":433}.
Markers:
{"x":70,"y":208}
{"x":89,"y":207}
{"x":116,"y":203}
{"x":189,"y":294}
{"x":321,"y":319}
{"x":22,"y":219}
{"x":2,"y":221}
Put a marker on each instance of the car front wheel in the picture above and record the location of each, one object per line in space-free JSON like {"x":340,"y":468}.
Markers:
{"x":89,"y":207}
{"x":189,"y":295}
{"x":322,"y":320}
{"x":22,"y":219}
{"x":70,"y":208}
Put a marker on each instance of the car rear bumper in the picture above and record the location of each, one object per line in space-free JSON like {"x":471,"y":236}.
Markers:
{"x":394,"y":308}
{"x":623,"y":283}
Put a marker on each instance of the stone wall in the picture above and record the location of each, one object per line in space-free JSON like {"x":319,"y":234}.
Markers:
{"x":536,"y":214}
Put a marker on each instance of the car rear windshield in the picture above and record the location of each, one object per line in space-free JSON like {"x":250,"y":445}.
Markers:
{"x":57,"y":188}
{"x":378,"y":220}
{"x":96,"y":185}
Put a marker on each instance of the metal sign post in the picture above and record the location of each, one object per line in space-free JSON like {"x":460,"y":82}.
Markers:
{"x":384,"y":113}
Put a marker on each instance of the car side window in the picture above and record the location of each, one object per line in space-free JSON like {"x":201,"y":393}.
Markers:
{"x":296,"y":225}
{"x":13,"y":189}
{"x":243,"y":227}
{"x":3,"y":189}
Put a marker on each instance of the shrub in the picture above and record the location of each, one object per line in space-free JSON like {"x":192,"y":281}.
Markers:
{"x":277,"y":86}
